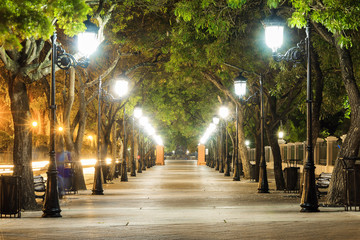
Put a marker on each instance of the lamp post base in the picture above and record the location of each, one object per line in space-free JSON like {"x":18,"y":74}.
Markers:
{"x":51,"y":214}
{"x":97,"y":192}
{"x":263,"y":191}
{"x":124,"y":177}
{"x":309,"y":208}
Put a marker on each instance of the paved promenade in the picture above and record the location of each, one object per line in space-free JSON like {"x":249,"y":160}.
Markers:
{"x":183,"y":201}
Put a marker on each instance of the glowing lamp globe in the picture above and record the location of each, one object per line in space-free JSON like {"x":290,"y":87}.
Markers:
{"x":240,"y":85}
{"x":274,"y":31}
{"x":88,"y":41}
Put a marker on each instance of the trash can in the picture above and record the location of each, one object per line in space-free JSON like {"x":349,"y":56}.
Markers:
{"x":291,"y":175}
{"x":10,"y":196}
{"x":252,"y":172}
{"x":69,"y":178}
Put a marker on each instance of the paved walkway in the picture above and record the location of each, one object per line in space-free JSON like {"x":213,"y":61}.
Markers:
{"x":183,"y":201}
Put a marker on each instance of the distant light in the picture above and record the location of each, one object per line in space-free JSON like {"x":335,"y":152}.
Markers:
{"x":223,"y":112}
{"x":158,"y":140}
{"x":90,"y":137}
{"x":108,"y":161}
{"x":247,"y":143}
{"x":34,"y":124}
{"x":150,"y":130}
{"x":281,"y":134}
{"x":137,"y":112}
{"x":216,"y":120}
{"x":121,"y":86}
{"x":211,"y":127}
{"x":144,"y":121}
{"x":61,"y":129}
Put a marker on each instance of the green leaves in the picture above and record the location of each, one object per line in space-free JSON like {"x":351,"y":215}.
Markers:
{"x":337,"y":16}
{"x":21,"y":19}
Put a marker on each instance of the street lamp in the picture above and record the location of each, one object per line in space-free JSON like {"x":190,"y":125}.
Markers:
{"x":223,"y":113}
{"x":263,"y":180}
{"x":121,"y":88}
{"x":215,"y":160}
{"x":98,"y":175}
{"x":63,"y":60}
{"x":309,"y":201}
{"x":151,"y":132}
{"x":138,"y":115}
{"x":143,"y":122}
{"x":240,"y":90}
{"x":281,"y":135}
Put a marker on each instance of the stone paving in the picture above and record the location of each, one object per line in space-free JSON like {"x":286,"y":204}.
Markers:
{"x":184,"y":201}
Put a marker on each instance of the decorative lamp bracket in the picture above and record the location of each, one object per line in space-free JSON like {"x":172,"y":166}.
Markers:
{"x":294,"y":54}
{"x":65,"y":60}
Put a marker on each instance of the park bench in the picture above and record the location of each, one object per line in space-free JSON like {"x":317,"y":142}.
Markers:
{"x":322,"y":182}
{"x":39,"y":186}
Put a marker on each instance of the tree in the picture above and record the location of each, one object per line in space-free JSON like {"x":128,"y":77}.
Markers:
{"x":334,"y":21}
{"x":26,"y":58}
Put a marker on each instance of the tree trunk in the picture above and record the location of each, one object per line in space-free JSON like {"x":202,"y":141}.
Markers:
{"x":242,"y":147}
{"x":22,"y":152}
{"x":275,"y":148}
{"x":350,"y":146}
{"x":71,"y":146}
{"x":111,"y":172}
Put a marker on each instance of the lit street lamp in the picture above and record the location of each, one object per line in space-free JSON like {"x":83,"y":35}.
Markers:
{"x":98,"y":175}
{"x":263,"y":180}
{"x":240,"y":90}
{"x":63,"y":60}
{"x":121,"y":88}
{"x":223,"y":113}
{"x":143,"y":122}
{"x":216,"y":159}
{"x":138,"y":115}
{"x":274,"y":26}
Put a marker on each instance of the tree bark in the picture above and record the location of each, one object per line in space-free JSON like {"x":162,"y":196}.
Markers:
{"x":242,"y":147}
{"x":74,"y":146}
{"x":275,"y":148}
{"x":350,"y":146}
{"x":111,"y":172}
{"x":22,"y":152}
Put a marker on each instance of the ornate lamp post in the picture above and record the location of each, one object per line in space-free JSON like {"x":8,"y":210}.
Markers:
{"x":121,"y":88}
{"x":143,"y":122}
{"x":274,"y":26}
{"x":151,"y":132}
{"x":63,"y":60}
{"x":263,"y":180}
{"x":240,"y":90}
{"x":121,"y":91}
{"x":216,"y":159}
{"x":223,"y":113}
